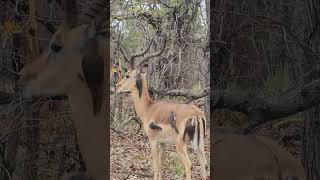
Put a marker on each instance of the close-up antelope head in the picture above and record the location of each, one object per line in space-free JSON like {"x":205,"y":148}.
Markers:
{"x":73,"y":65}
{"x":133,"y":82}
{"x":74,"y":56}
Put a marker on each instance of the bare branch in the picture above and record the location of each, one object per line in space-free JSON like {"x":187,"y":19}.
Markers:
{"x":131,"y":60}
{"x":94,"y":11}
{"x":16,"y":74}
{"x":148,"y":57}
{"x":289,"y":103}
{"x":185,"y":93}
{"x":124,"y":55}
{"x":71,"y":12}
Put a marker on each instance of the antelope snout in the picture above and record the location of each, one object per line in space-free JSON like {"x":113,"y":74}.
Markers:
{"x":22,"y":89}
{"x":118,"y":87}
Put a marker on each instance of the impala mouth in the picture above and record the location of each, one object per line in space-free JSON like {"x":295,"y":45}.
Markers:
{"x":127,"y":93}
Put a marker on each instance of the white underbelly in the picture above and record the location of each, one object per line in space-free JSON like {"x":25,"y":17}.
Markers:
{"x":167,"y":135}
{"x":166,"y":140}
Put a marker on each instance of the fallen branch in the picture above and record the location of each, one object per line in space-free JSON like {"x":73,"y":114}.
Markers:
{"x":136,"y":119}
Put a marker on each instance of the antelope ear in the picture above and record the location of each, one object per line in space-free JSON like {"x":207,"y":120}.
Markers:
{"x":139,"y":83}
{"x":93,"y":70}
{"x":143,"y":69}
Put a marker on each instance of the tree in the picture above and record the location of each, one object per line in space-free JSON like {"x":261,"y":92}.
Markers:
{"x":263,"y":55}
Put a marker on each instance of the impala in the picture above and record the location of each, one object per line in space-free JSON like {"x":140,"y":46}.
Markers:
{"x":73,"y":65}
{"x":164,"y":122}
{"x":251,"y":157}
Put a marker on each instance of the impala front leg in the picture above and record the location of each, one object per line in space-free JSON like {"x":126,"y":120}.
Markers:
{"x":155,"y":156}
{"x":161,"y":155}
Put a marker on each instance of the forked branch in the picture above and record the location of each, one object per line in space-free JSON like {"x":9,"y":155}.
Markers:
{"x":159,"y":53}
{"x":95,"y":11}
{"x":71,"y":12}
{"x":148,"y":57}
{"x":132,"y":57}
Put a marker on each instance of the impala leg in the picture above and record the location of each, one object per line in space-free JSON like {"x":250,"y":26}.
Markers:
{"x":161,"y":155}
{"x":155,"y":156}
{"x":183,"y":155}
{"x":203,"y":162}
{"x":201,"y":155}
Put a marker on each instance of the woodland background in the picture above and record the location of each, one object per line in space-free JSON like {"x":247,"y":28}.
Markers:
{"x":180,"y":74}
{"x":264,"y":61}
{"x":265,"y":72}
{"x":37,"y":140}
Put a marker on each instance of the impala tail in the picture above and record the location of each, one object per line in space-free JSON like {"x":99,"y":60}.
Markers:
{"x":195,"y":129}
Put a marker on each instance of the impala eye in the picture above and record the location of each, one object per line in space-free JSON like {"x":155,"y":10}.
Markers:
{"x":127,"y":76}
{"x":55,"y":47}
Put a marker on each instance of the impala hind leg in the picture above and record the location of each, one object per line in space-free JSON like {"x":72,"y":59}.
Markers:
{"x":181,"y":148}
{"x":160,"y":160}
{"x":199,"y":149}
{"x":155,"y":156}
{"x":203,"y":162}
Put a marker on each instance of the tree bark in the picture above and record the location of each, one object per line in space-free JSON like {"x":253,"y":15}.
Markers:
{"x":311,"y":145}
{"x":311,"y":134}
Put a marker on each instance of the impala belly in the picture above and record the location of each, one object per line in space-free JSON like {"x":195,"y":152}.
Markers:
{"x":166,"y":135}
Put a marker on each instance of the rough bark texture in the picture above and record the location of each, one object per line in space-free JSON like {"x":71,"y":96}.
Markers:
{"x":311,"y":133}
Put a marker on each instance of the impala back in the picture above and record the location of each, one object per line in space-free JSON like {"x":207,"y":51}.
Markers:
{"x":249,"y":157}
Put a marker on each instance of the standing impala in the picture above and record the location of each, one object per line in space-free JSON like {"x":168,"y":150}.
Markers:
{"x":73,"y":65}
{"x":164,"y":122}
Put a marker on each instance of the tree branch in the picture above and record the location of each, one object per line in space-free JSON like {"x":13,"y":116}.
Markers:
{"x":289,"y":103}
{"x":185,"y":93}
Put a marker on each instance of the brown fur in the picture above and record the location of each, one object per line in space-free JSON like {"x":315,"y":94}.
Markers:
{"x":172,"y":121}
{"x":150,"y":111}
{"x":93,"y":70}
{"x":63,"y":72}
{"x":246,"y":157}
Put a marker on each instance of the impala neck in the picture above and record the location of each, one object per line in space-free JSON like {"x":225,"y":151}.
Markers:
{"x":91,"y":132}
{"x":141,"y":104}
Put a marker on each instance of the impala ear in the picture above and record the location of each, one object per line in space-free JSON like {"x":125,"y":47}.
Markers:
{"x":143,"y":69}
{"x":139,"y":83}
{"x":93,"y":70}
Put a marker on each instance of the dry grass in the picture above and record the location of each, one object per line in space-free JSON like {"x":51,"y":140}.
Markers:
{"x":131,"y":157}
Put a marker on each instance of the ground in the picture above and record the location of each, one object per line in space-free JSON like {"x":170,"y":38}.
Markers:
{"x":131,"y":157}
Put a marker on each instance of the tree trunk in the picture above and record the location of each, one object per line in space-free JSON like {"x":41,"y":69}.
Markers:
{"x":311,"y":134}
{"x":311,"y":144}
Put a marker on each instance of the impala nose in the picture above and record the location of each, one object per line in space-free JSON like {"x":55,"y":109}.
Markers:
{"x":117,"y":86}
{"x":22,"y":89}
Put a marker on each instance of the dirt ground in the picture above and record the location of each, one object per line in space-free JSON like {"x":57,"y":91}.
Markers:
{"x":131,"y":157}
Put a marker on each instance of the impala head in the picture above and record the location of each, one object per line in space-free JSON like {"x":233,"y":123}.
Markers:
{"x":133,"y":82}
{"x":73,"y":59}
{"x":135,"y":79}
